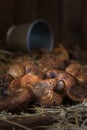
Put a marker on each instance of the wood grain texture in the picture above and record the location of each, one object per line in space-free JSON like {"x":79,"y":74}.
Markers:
{"x":84,"y":25}
{"x":71,"y":21}
{"x":7,"y":15}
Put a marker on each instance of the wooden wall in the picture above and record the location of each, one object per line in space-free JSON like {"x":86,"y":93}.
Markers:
{"x":7,"y":15}
{"x":66,"y":18}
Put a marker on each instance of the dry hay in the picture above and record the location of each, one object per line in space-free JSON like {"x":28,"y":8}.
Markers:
{"x":61,"y":118}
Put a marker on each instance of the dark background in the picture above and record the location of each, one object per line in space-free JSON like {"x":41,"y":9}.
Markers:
{"x":66,"y":18}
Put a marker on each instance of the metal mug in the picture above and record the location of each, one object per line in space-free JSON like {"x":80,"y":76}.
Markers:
{"x":26,"y":37}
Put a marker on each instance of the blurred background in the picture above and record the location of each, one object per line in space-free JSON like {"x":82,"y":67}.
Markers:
{"x":66,"y":18}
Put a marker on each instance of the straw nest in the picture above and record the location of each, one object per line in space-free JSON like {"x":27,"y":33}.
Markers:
{"x":70,"y":117}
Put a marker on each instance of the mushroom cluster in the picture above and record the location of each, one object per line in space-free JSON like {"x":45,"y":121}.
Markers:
{"x":44,"y":79}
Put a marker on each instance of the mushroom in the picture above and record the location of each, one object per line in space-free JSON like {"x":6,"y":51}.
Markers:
{"x":16,"y":70}
{"x":78,"y":71}
{"x":44,"y":91}
{"x":23,"y":81}
{"x":15,"y":100}
{"x":72,"y":88}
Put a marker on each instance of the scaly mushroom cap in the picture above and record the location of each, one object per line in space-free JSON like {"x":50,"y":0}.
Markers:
{"x":68,"y":79}
{"x":23,"y":81}
{"x":44,"y":91}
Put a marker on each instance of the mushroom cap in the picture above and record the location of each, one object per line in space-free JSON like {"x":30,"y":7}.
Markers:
{"x":77,"y":93}
{"x":15,"y":100}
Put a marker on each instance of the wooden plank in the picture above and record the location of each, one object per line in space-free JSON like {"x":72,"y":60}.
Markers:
{"x":7,"y":12}
{"x":49,"y":11}
{"x":26,"y":11}
{"x":84,"y":26}
{"x":71,"y":21}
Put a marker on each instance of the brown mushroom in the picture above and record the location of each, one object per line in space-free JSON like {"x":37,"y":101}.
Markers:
{"x":78,"y":71}
{"x":73,"y":89}
{"x":15,"y":100}
{"x":29,"y":79}
{"x":77,"y":93}
{"x":44,"y":91}
{"x":52,"y":62}
{"x":61,"y":51}
{"x":16,"y":70}
{"x":23,"y":81}
{"x":68,"y":79}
